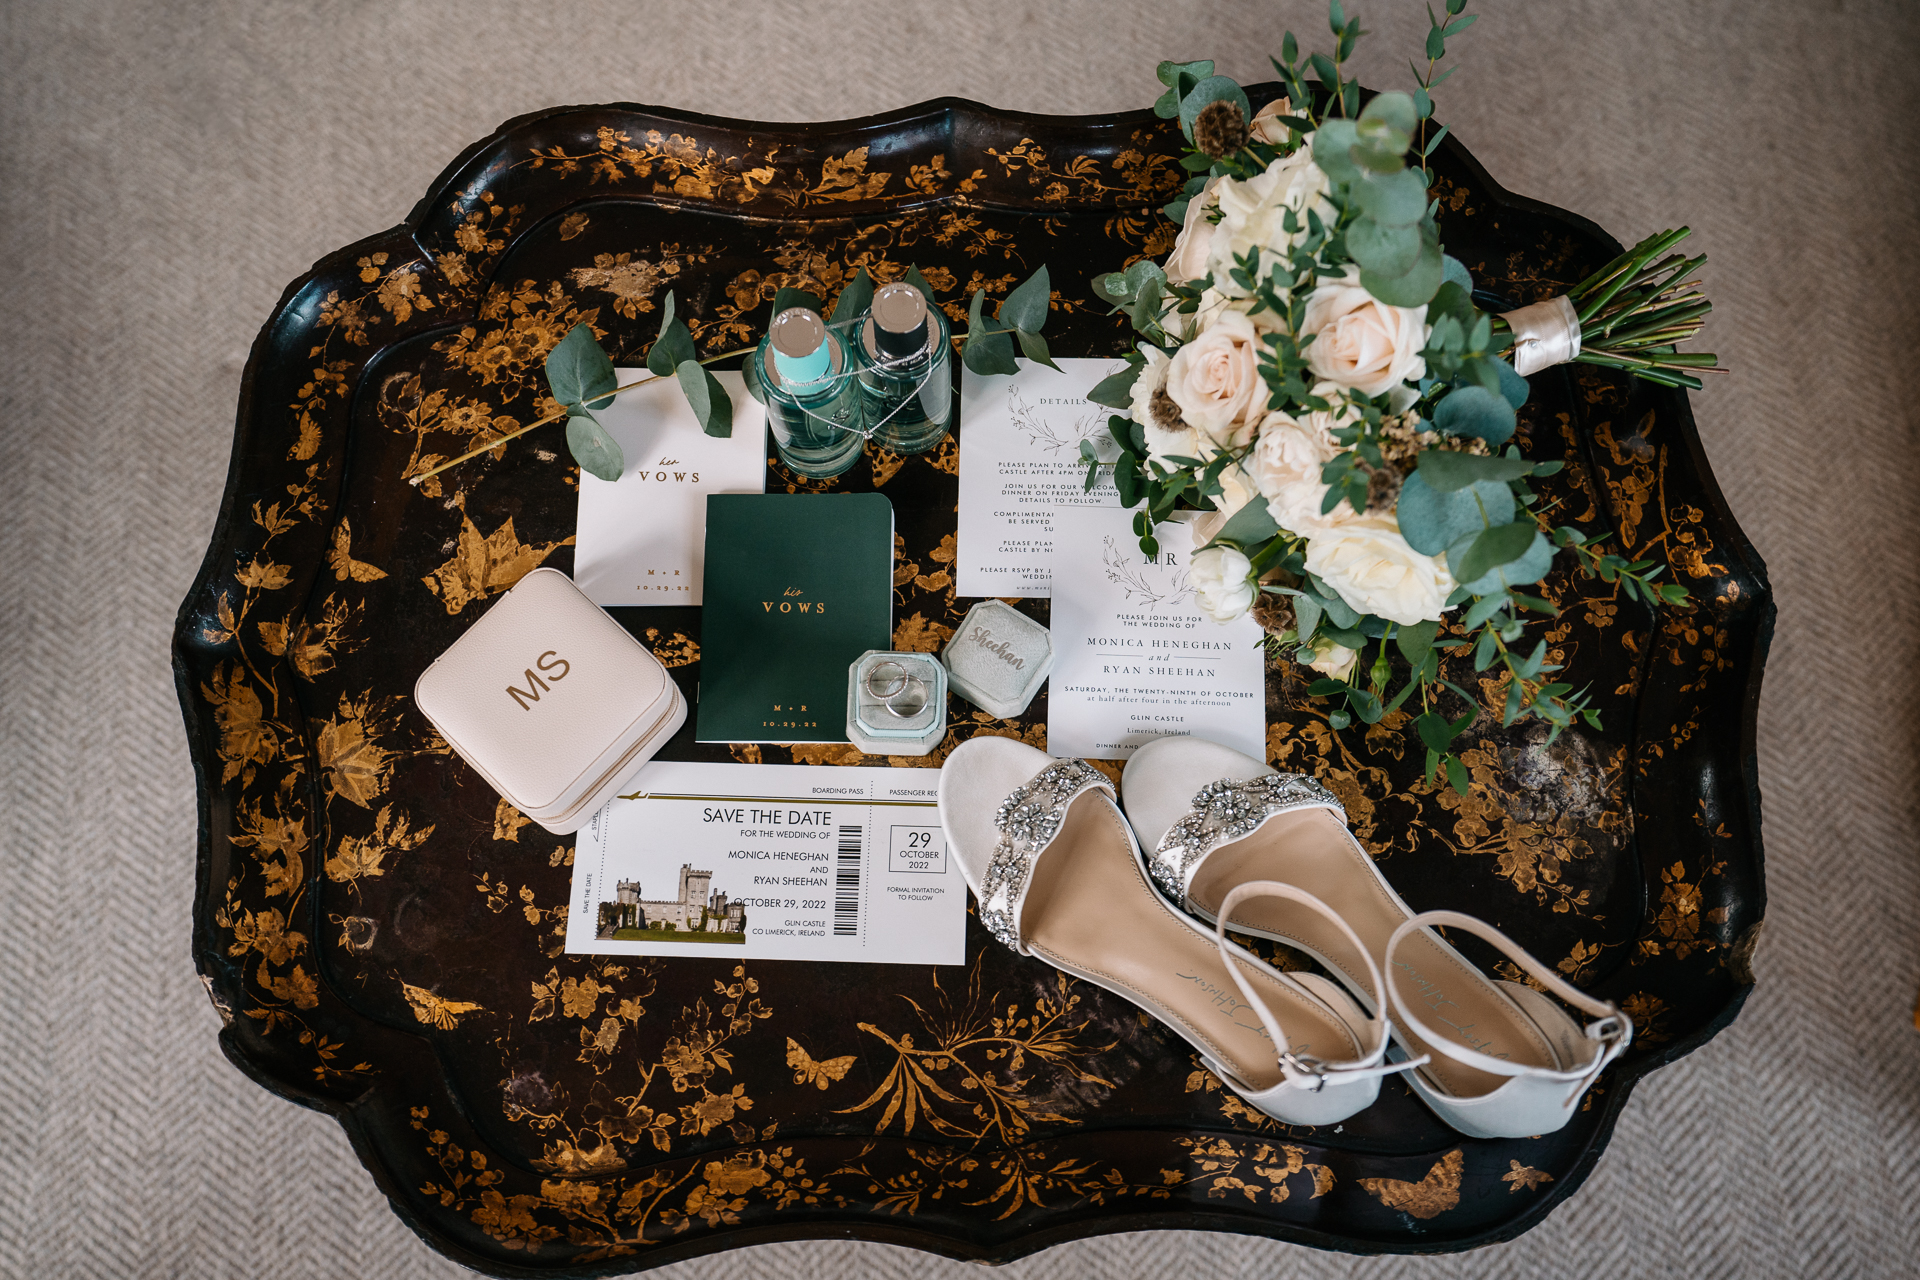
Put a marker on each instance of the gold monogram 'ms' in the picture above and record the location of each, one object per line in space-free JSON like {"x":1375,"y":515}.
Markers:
{"x":535,"y":685}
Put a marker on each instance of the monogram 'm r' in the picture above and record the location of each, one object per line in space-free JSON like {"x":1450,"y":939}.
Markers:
{"x":535,"y":685}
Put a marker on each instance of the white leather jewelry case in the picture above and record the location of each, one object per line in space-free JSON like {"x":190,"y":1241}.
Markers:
{"x":551,"y":701}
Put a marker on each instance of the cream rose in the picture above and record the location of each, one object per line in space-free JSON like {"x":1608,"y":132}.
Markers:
{"x":1222,"y":582}
{"x":1215,"y":379}
{"x":1335,"y":661}
{"x":1361,"y":342}
{"x":1265,"y":125}
{"x":1287,"y":460}
{"x":1253,"y":215}
{"x":1188,"y":261}
{"x":1371,"y":567}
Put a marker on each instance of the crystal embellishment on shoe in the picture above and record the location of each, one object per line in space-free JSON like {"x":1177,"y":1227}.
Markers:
{"x":1226,"y":810}
{"x":1027,"y":821}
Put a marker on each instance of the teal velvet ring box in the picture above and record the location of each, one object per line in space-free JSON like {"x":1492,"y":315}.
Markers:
{"x":999,"y":658}
{"x":896,"y":703}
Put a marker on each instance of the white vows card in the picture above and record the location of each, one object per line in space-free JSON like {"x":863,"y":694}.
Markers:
{"x":770,"y":862}
{"x":1020,"y":463}
{"x":1134,"y":658}
{"x":642,"y":538}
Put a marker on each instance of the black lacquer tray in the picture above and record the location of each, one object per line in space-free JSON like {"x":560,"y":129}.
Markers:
{"x":382,"y":937}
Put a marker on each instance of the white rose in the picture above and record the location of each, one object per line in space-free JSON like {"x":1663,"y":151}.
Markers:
{"x":1161,"y":443}
{"x":1287,"y":461}
{"x":1265,"y":125}
{"x":1253,"y":215}
{"x":1335,"y":661}
{"x":1371,"y":567}
{"x":1188,"y":261}
{"x":1222,"y":581}
{"x":1215,"y":379}
{"x":1361,"y":342}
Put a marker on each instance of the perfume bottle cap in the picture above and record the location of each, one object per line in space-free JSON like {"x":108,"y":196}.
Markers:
{"x":800,"y":350}
{"x":900,"y":319}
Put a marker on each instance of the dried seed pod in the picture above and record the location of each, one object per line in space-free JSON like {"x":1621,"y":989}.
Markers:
{"x":1274,"y":613}
{"x":1220,"y":129}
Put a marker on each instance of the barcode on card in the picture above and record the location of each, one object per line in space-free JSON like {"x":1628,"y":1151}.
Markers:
{"x":846,"y":883}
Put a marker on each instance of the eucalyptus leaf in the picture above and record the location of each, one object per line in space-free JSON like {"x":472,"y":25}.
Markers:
{"x":986,"y":352}
{"x":1475,"y":411}
{"x":1250,"y":526}
{"x":673,"y":345}
{"x":1115,"y":391}
{"x":1034,"y":348}
{"x":1500,"y":545}
{"x":1454,"y":271}
{"x":578,"y":371}
{"x":1530,"y":566}
{"x":918,"y":281}
{"x":1431,"y":521}
{"x":709,"y":400}
{"x":1452,"y":301}
{"x":1112,"y":286}
{"x":1332,"y":151}
{"x":855,"y":298}
{"x":1413,"y":289}
{"x":1169,"y":73}
{"x":1415,"y":641}
{"x":750,"y":373}
{"x":1512,"y":385}
{"x":1390,"y":110}
{"x":1387,"y":250}
{"x":1306,"y":615}
{"x":596,"y":451}
{"x":1446,"y":470}
{"x":1394,"y":199}
{"x":1207,"y":92}
{"x":1026,"y":307}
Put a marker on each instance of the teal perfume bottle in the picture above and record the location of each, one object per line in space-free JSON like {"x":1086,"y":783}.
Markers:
{"x":903,"y":349}
{"x":813,"y":400}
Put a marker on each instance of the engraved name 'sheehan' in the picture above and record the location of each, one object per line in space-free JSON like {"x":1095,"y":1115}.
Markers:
{"x":983,"y":637}
{"x":535,"y":685}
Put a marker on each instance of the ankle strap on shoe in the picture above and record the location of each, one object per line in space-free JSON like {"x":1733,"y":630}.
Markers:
{"x":1028,"y":820}
{"x":1303,"y":1070}
{"x":1612,"y":1029}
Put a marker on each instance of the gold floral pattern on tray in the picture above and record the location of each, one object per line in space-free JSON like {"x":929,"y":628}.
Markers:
{"x":364,"y":895}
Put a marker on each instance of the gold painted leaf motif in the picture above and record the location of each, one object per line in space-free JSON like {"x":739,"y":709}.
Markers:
{"x":356,"y":765}
{"x":1523,"y":1178}
{"x":434,"y":1011}
{"x":481,"y":567}
{"x":507,"y":821}
{"x":818,"y":1074}
{"x":1433,"y":1195}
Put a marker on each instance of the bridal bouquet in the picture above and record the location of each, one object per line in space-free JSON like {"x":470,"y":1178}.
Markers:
{"x":1315,"y":373}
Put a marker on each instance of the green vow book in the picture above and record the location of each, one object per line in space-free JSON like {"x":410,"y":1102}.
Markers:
{"x":797,"y":586}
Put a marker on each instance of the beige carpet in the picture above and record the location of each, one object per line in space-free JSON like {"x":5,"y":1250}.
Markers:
{"x":166,"y":169}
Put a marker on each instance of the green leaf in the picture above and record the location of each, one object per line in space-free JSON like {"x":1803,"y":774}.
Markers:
{"x":985,"y":352}
{"x":1167,"y":105}
{"x":750,"y":373}
{"x":1531,"y":566}
{"x":1116,"y":390}
{"x":856,"y":297}
{"x":1388,"y":121}
{"x":1388,"y":250}
{"x":1457,"y":775}
{"x":591,"y":446}
{"x":1250,"y":526}
{"x":1512,"y":385}
{"x":673,"y":345}
{"x":1415,"y":641}
{"x":578,"y":371}
{"x":1414,"y":288}
{"x":1034,"y":348}
{"x":1112,"y":286}
{"x":711,"y":405}
{"x":1394,"y":199}
{"x":1126,"y":478}
{"x":1306,"y":616}
{"x":1026,"y":307}
{"x":1477,"y":412}
{"x":1169,"y":72}
{"x":1454,"y":272}
{"x":1211,"y":90}
{"x":1447,"y":471}
{"x":1499,"y":545}
{"x":918,"y":281}
{"x":791,"y":297}
{"x":1434,"y":732}
{"x":1332,"y":150}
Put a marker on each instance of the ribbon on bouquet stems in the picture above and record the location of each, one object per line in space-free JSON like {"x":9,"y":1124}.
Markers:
{"x":1544,"y":334}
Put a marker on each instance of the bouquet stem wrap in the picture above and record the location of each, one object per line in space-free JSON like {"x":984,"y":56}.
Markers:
{"x":1544,"y":334}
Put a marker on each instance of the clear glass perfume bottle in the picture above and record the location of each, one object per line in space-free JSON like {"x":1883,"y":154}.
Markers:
{"x":905,"y":359}
{"x":813,"y":401}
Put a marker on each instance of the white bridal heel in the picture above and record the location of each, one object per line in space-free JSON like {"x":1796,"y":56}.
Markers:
{"x":1058,"y":875}
{"x":1505,"y":1061}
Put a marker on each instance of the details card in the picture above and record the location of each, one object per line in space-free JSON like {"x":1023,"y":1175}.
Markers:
{"x":642,"y":538}
{"x":770,"y":862}
{"x":1020,"y":465}
{"x":1134,"y":658}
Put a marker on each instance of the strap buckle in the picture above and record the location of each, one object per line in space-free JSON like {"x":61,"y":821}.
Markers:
{"x":1306,"y":1064}
{"x":1611,"y":1029}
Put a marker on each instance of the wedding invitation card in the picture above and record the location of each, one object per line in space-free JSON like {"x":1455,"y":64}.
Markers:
{"x":1020,"y":465}
{"x":641,"y":538}
{"x":770,"y":862}
{"x":1134,"y":658}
